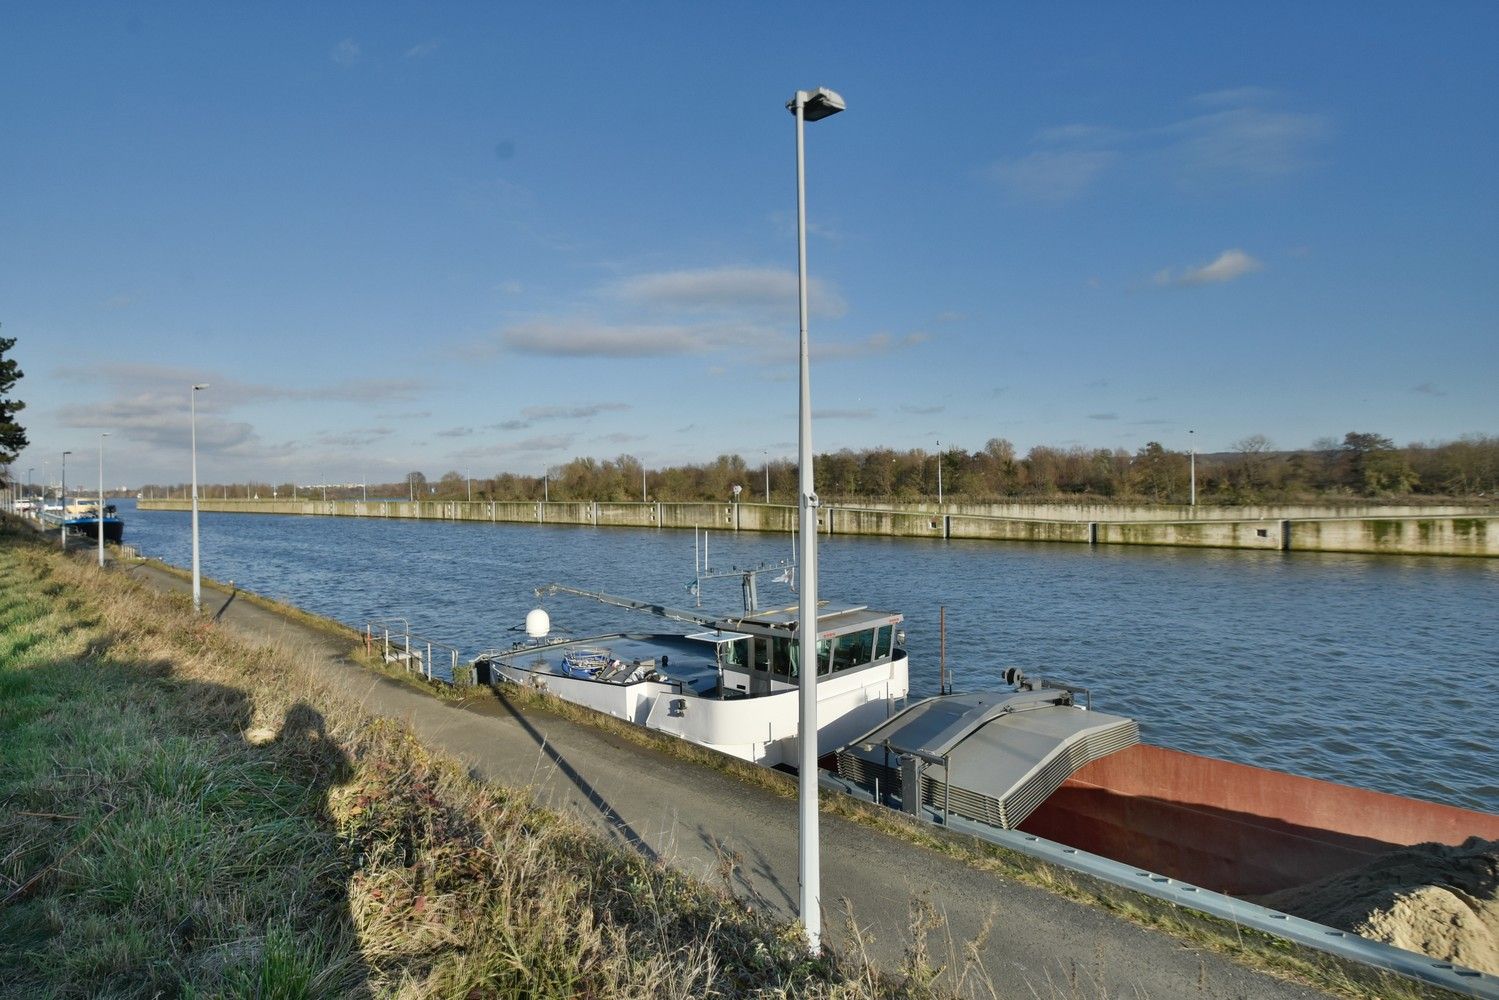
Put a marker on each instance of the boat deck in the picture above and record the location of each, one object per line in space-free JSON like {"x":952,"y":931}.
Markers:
{"x":678,"y":657}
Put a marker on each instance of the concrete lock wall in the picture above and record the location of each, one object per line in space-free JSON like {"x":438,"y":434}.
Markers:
{"x":1448,"y":531}
{"x":1168,"y":512}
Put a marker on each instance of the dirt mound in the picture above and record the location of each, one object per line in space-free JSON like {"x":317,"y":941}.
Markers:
{"x":1436,"y":899}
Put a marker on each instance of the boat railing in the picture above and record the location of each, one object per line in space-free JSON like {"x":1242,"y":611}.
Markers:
{"x":393,"y":640}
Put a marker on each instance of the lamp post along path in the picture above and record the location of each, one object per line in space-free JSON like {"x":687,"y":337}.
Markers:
{"x":102,"y":436}
{"x":1191,"y":469}
{"x":64,"y":499}
{"x":197,"y":577}
{"x":804,"y":106}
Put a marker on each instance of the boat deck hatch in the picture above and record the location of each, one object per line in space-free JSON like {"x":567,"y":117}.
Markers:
{"x":990,"y":756}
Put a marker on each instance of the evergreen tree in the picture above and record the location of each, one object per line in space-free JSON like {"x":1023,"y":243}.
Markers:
{"x":12,"y":434}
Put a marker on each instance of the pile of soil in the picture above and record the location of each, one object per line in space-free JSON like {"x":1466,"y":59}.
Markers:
{"x":1436,"y":899}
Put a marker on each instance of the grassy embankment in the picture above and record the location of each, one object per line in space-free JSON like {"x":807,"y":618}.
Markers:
{"x":181,"y":814}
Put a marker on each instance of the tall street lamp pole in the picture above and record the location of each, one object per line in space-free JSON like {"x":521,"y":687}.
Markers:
{"x":804,"y":106}
{"x":102,"y":436}
{"x":939,"y":473}
{"x":197,"y":577}
{"x":65,"y":498}
{"x":766,"y":457}
{"x":1191,"y":469}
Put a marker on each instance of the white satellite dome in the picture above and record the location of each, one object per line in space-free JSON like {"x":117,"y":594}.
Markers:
{"x":538,"y":623}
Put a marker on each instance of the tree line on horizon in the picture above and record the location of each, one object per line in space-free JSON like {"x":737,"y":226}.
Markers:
{"x":1362,"y":465}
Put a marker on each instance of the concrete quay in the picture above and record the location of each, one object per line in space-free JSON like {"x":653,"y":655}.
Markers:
{"x":1428,"y":531}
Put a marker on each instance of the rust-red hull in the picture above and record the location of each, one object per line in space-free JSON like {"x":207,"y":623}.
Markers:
{"x":1234,"y":828}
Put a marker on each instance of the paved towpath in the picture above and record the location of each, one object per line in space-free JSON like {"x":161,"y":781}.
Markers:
{"x":1042,"y":946}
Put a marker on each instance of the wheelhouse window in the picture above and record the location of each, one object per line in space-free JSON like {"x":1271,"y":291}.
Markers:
{"x":856,"y":649}
{"x":782,"y":657}
{"x":884,"y":643}
{"x":824,"y":657}
{"x":736,"y":654}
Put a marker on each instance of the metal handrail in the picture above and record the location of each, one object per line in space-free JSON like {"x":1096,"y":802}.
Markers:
{"x":411,"y":649}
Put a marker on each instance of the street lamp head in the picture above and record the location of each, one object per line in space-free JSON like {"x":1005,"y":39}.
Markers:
{"x":203,"y":386}
{"x":817,"y":105}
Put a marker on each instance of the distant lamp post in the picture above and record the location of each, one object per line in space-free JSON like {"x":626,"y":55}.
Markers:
{"x":102,"y":436}
{"x":642,"y":482}
{"x":807,"y":106}
{"x":65,"y":498}
{"x":471,"y":486}
{"x":197,"y":569}
{"x":1191,"y":470}
{"x":766,"y":463}
{"x":939,"y":473}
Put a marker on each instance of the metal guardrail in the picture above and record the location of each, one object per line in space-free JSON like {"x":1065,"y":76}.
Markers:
{"x":401,"y":645}
{"x":1340,"y":943}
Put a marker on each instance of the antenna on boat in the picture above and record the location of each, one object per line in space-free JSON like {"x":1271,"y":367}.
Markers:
{"x":750,"y":588}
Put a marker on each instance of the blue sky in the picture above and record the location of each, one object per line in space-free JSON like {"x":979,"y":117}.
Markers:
{"x":493,"y":237}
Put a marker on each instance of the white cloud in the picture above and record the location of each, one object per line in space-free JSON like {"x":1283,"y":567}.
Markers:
{"x":532,"y":415}
{"x":843,"y":414}
{"x":1235,"y":137}
{"x":1230,"y":264}
{"x":1052,"y":175}
{"x":732,"y":289}
{"x":422,"y":49}
{"x":673,"y":314}
{"x":354,"y":439}
{"x":1243,"y":142}
{"x":172,"y":384}
{"x":577,"y":338}
{"x":546,"y":445}
{"x":159,"y":421}
{"x":346,"y":53}
{"x":571,"y":412}
{"x":872,"y":346}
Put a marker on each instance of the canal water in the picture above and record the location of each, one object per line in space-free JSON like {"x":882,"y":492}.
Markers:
{"x":1381,"y":672}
